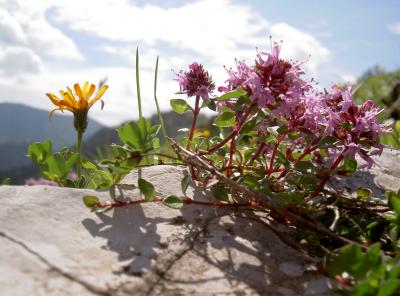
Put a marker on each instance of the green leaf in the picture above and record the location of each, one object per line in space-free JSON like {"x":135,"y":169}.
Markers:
{"x":273,"y":130}
{"x":219,"y":193}
{"x":236,"y":93}
{"x":91,"y":201}
{"x":370,"y":260}
{"x":211,"y":105}
{"x":388,"y":287}
{"x":303,"y":166}
{"x":347,"y":259}
{"x":248,"y":153}
{"x":71,"y":161}
{"x":139,"y":99}
{"x":225,"y":119}
{"x":160,"y":117}
{"x":185,"y":183}
{"x":251,"y":182}
{"x":249,"y":129}
{"x":173,"y":201}
{"x":364,"y":193}
{"x":139,"y":135}
{"x":394,"y":202}
{"x":56,"y":166}
{"x":179,"y":105}
{"x":130,"y":134}
{"x":40,"y":151}
{"x":106,"y":177}
{"x":147,"y":189}
{"x":327,"y":142}
{"x":6,"y":181}
{"x":349,"y":166}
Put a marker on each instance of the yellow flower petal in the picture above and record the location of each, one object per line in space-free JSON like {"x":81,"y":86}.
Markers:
{"x":101,"y":92}
{"x":54,"y":99}
{"x":78,"y":92}
{"x":85,"y":90}
{"x":68,"y":99}
{"x":54,"y":110}
{"x":90,"y":92}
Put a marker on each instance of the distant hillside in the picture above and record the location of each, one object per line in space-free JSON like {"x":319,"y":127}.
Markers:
{"x":173,"y":122}
{"x":384,"y":89}
{"x":21,"y":125}
{"x":16,"y":166}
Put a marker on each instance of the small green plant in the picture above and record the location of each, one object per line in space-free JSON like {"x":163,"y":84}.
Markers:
{"x":279,"y":143}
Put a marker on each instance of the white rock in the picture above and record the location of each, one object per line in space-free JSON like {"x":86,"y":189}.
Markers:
{"x":51,"y":244}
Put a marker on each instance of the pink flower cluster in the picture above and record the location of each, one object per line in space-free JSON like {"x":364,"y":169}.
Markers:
{"x":196,"y":81}
{"x":41,"y":181}
{"x":272,"y":82}
{"x":276,"y":85}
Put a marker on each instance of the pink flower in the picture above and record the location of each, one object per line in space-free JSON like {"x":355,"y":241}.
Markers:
{"x":355,"y":126}
{"x":41,"y":181}
{"x":196,"y":81}
{"x":272,"y":82}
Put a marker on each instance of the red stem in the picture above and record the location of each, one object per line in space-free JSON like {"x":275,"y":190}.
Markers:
{"x":271,"y":163}
{"x":195,"y":114}
{"x":307,"y":151}
{"x":186,"y":201}
{"x":232,"y":149}
{"x":326,"y":178}
{"x":235,"y":131}
{"x":257,"y":154}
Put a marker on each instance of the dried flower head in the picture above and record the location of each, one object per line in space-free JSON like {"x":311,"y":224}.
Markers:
{"x":196,"y":81}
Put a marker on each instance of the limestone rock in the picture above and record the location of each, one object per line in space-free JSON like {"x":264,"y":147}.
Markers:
{"x":385,"y":175}
{"x":51,"y":244}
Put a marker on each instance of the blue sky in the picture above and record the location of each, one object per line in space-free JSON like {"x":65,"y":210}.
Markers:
{"x":46,"y":45}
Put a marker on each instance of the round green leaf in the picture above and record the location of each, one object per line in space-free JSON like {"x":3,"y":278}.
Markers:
{"x":147,"y":189}
{"x":179,"y":105}
{"x":91,"y":201}
{"x":173,"y":201}
{"x":226,"y":119}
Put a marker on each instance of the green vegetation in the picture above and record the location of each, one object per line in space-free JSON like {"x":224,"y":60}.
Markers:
{"x":384,"y":90}
{"x":262,"y":157}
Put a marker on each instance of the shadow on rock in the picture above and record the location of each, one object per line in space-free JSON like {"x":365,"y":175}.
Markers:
{"x":130,"y":234}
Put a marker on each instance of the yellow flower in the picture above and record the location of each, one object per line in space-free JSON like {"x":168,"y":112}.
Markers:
{"x":202,"y":133}
{"x":79,"y":104}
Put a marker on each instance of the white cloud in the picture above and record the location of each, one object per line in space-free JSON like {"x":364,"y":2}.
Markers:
{"x":212,"y":32}
{"x":394,"y":28}
{"x":349,"y":78}
{"x":10,"y":29}
{"x":23,"y":24}
{"x":300,"y":45}
{"x":16,"y":60}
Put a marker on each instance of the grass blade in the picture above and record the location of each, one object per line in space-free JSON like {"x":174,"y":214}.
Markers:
{"x":138,"y":84}
{"x":160,"y":118}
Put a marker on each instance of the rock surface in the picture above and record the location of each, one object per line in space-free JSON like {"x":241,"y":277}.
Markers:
{"x":51,"y":244}
{"x":384,"y":175}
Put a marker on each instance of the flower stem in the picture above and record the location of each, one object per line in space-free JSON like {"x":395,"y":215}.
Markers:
{"x":79,"y":151}
{"x":307,"y":151}
{"x":195,"y":115}
{"x":271,"y":163}
{"x":186,"y":201}
{"x":232,"y":149}
{"x":234,"y":133}
{"x":326,"y":178}
{"x":257,"y":154}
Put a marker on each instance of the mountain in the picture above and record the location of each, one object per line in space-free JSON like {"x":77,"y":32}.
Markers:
{"x":21,"y":125}
{"x":18,"y":167}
